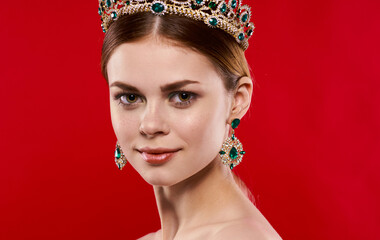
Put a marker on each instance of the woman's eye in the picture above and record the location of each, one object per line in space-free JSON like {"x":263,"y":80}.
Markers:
{"x":182,"y":98}
{"x":128,"y":99}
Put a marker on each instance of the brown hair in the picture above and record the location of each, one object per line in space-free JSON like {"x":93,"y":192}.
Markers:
{"x":219,"y":47}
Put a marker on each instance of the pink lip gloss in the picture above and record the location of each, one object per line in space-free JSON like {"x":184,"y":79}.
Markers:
{"x":157,"y":158}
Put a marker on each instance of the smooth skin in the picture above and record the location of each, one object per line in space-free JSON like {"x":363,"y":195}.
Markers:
{"x":165,"y":95}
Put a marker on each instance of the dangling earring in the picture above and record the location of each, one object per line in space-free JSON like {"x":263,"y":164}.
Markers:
{"x":120,"y":159}
{"x":233,"y":147}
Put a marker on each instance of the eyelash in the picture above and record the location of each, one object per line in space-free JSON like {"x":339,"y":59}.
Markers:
{"x":193,"y":96}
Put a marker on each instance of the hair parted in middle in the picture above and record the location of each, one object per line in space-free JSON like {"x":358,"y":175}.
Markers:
{"x":220,"y":48}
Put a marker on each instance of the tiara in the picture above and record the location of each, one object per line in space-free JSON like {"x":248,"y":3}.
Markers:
{"x":228,"y":15}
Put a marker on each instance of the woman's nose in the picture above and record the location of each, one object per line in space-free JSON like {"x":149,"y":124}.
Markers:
{"x":154,"y":121}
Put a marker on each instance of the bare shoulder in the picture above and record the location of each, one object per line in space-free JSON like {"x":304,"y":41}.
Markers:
{"x":150,"y":236}
{"x":246,"y":229}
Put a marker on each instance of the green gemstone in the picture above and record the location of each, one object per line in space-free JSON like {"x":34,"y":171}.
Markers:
{"x":241,"y":36}
{"x":231,"y":166}
{"x":213,"y":21}
{"x":118,"y":165}
{"x":199,"y":1}
{"x":104,"y":30}
{"x":193,"y":6}
{"x":211,"y":5}
{"x":113,"y":15}
{"x":223,"y":8}
{"x":222,"y":152}
{"x":158,"y":7}
{"x":127,"y":2}
{"x":100,"y":11}
{"x":249,"y":32}
{"x":233,"y":137}
{"x":233,"y":4}
{"x":244,"y":18}
{"x":117,"y":153}
{"x":235,"y":123}
{"x":238,"y":15}
{"x":242,"y":152}
{"x":233,"y":153}
{"x":108,"y":2}
{"x":114,"y":1}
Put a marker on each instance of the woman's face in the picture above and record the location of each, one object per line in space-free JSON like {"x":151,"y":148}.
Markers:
{"x":167,"y":102}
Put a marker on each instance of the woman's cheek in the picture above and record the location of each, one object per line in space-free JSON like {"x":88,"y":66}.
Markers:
{"x":194,"y":127}
{"x":121,"y":122}
{"x":114,"y":120}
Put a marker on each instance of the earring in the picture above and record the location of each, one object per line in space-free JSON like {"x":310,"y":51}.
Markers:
{"x":233,"y":147}
{"x":120,"y":159}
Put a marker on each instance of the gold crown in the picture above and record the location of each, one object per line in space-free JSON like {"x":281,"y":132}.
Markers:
{"x":228,"y":15}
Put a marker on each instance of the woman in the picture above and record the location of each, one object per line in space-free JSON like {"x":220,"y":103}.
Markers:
{"x":178,"y":88}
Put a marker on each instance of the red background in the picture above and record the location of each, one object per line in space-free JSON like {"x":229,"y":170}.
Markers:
{"x":312,"y":133}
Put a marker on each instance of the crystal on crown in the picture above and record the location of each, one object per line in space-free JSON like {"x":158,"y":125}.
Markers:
{"x":228,"y":15}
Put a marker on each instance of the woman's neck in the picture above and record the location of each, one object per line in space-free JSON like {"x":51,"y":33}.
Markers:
{"x":210,"y":196}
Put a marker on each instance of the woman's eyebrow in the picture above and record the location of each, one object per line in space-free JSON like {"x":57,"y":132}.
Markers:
{"x":176,"y":85}
{"x":124,"y":86}
{"x":166,"y":88}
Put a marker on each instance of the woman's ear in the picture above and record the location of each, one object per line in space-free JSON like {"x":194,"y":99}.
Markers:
{"x":241,"y":98}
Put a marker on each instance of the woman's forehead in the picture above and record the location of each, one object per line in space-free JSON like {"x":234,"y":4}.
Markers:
{"x":149,"y":59}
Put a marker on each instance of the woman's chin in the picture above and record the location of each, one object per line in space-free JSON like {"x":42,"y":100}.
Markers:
{"x":161,"y":179}
{"x":161,"y":182}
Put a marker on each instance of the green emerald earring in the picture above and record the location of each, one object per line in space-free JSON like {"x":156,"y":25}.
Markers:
{"x":232,"y":149}
{"x":120,"y":159}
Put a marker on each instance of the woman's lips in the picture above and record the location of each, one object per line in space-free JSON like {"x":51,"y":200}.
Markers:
{"x":157,"y":156}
